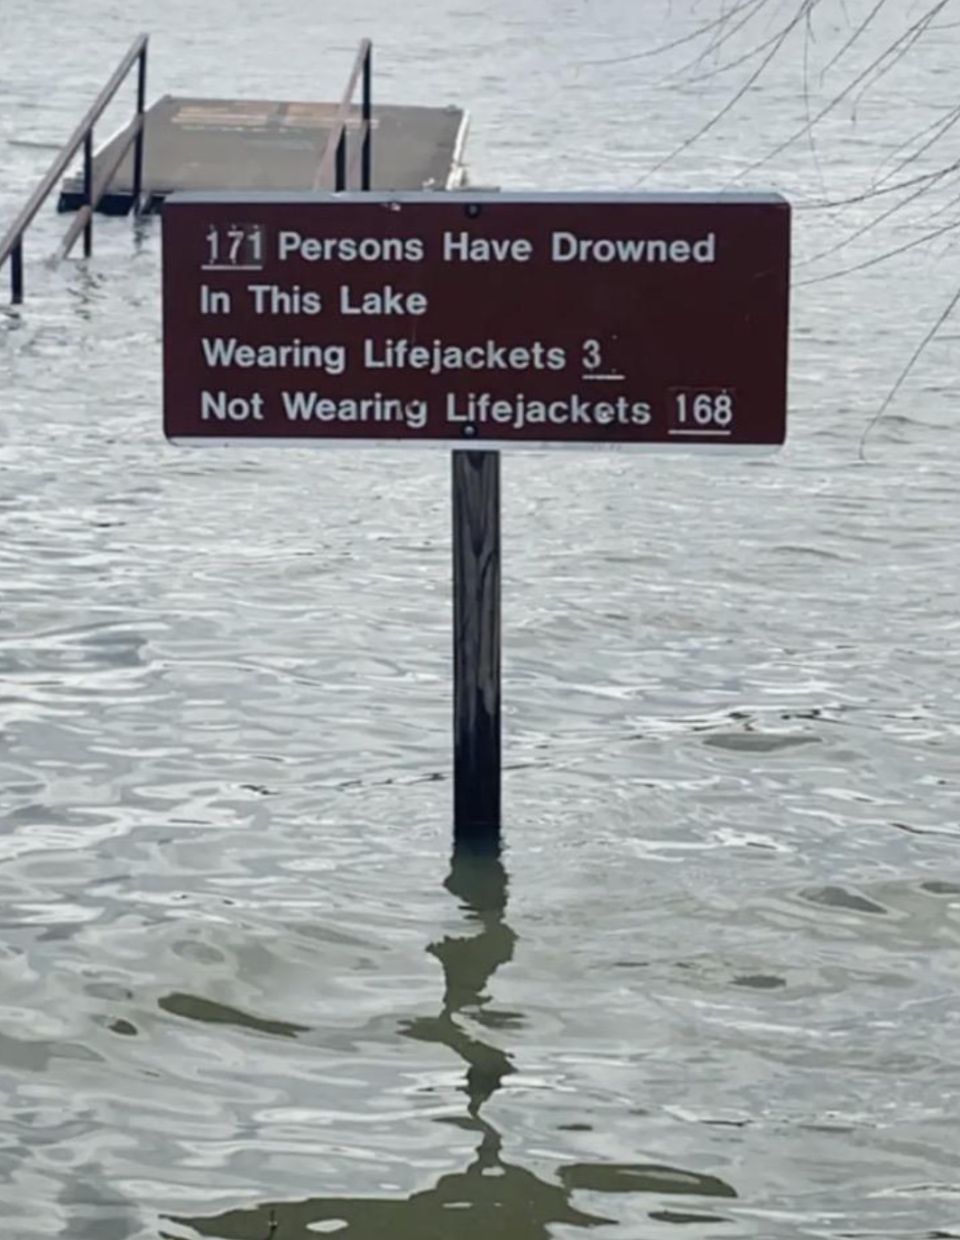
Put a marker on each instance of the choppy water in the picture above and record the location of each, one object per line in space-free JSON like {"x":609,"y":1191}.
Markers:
{"x":714,"y":984}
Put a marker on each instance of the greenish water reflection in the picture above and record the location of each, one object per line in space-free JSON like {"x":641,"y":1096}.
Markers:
{"x":491,"y":1197}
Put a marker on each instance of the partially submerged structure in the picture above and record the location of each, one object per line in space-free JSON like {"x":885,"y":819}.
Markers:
{"x":211,"y":145}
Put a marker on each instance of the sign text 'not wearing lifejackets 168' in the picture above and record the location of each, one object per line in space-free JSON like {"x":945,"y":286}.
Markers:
{"x":486,"y":320}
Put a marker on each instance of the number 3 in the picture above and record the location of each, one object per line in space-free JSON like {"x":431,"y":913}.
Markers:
{"x":592,"y":357}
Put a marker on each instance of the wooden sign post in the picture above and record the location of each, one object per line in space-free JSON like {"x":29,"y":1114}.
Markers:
{"x":477,"y":322}
{"x":476,"y":646}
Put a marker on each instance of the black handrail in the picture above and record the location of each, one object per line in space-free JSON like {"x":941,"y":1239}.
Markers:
{"x":11,"y":246}
{"x":334,"y":156}
{"x":83,"y":220}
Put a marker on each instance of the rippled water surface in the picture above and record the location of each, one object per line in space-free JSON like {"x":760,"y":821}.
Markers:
{"x":712,"y":989}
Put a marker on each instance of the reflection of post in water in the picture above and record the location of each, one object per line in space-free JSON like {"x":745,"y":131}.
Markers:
{"x":491,"y":1197}
{"x":480,"y":882}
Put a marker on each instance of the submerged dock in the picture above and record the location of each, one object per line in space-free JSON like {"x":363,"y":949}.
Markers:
{"x":209,"y":145}
{"x":229,"y":145}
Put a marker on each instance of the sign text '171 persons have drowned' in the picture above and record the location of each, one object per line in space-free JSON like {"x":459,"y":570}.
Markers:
{"x":485,"y":319}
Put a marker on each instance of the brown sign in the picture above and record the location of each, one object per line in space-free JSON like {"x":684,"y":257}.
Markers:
{"x":487,"y":319}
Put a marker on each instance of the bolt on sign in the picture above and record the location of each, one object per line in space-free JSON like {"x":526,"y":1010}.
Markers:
{"x":485,"y":320}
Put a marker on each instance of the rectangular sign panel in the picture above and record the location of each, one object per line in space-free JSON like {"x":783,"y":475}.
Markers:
{"x":485,"y":319}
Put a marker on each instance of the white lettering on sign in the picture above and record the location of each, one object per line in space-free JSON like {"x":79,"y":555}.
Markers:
{"x":229,"y":351}
{"x":272,"y":299}
{"x":292,"y":244}
{"x":464,"y":248}
{"x":436,"y":357}
{"x":304,"y":406}
{"x":235,"y":408}
{"x":567,"y":247}
{"x":703,"y":413}
{"x":214,"y":301}
{"x":520,"y":411}
{"x":386,"y":300}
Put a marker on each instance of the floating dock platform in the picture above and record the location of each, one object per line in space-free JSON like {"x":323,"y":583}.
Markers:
{"x":231,"y":145}
{"x":212,"y":145}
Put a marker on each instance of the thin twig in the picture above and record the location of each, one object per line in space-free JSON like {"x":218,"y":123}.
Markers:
{"x":905,"y":372}
{"x":860,"y":30}
{"x":880,"y":258}
{"x":732,"y":102}
{"x":837,"y":203}
{"x":908,"y":37}
{"x":869,"y":226}
{"x":687,"y":38}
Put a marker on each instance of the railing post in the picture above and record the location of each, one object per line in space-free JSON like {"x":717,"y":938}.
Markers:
{"x":342,"y":159}
{"x":366,"y":173}
{"x":16,"y":272}
{"x":138,"y":147}
{"x":88,"y":191}
{"x":12,"y":239}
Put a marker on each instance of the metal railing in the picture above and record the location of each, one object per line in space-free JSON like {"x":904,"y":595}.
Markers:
{"x":334,"y":158}
{"x":11,"y":246}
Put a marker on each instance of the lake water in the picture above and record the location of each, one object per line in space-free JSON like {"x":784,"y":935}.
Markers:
{"x":712,"y":988}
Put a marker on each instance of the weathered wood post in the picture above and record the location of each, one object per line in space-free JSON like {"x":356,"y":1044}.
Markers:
{"x":476,"y":648}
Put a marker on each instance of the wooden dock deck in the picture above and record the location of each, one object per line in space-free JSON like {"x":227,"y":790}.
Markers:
{"x":245,"y":144}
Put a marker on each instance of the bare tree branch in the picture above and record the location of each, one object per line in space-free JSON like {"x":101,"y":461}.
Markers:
{"x":738,"y":95}
{"x":880,"y":258}
{"x":687,"y":38}
{"x":894,"y":50}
